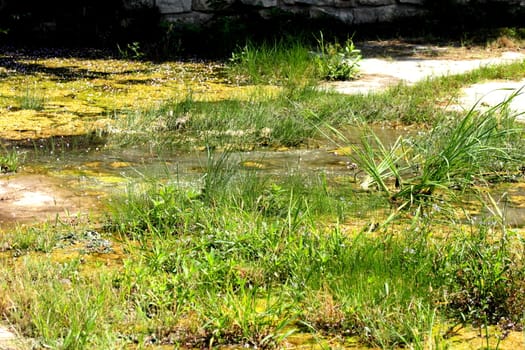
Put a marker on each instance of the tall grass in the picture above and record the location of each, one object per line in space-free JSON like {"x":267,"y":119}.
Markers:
{"x":454,"y":156}
{"x":293,"y":116}
{"x":248,"y":259}
{"x":285,"y":62}
{"x":254,"y":262}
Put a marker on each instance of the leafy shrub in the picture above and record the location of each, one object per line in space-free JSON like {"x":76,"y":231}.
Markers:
{"x":337,"y":61}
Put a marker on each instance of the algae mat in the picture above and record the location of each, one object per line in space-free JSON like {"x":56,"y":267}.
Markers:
{"x":45,"y":97}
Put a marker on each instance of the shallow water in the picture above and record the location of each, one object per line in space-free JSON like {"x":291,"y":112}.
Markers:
{"x":75,"y":174}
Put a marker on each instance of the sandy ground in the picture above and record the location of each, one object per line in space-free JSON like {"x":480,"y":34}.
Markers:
{"x":378,"y":74}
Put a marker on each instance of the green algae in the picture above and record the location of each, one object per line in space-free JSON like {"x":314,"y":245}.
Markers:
{"x":80,"y":92}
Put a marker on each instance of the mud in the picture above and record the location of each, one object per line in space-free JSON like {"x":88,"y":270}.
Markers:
{"x":33,"y":198}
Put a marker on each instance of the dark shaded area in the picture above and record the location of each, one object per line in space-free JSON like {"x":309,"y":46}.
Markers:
{"x":140,"y":32}
{"x":16,"y":61}
{"x":455,"y":16}
{"x":75,"y":24}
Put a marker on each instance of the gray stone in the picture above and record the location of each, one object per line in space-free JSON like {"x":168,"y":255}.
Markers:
{"x":132,"y":4}
{"x":317,"y":3}
{"x":211,"y":5}
{"x":385,"y":14}
{"x":414,"y":2}
{"x":344,"y":16}
{"x":269,"y":13}
{"x":195,"y":18}
{"x":295,"y":10}
{"x":345,"y":3}
{"x":346,"y":11}
{"x":376,"y":2}
{"x":173,"y":6}
{"x":260,"y":3}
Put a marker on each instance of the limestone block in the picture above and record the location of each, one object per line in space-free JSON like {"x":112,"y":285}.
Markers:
{"x":211,"y":5}
{"x":194,"y":18}
{"x":345,"y":3}
{"x":385,"y":14}
{"x":316,"y":2}
{"x":133,"y":4}
{"x":173,"y":6}
{"x":344,"y":16}
{"x":376,"y":2}
{"x":295,"y":10}
{"x":414,"y":2}
{"x":260,"y":3}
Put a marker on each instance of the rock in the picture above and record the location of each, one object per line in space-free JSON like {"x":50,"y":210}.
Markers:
{"x":260,"y":3}
{"x":173,"y":6}
{"x":211,"y":5}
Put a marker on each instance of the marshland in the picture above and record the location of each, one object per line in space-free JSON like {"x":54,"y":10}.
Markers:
{"x":236,"y":204}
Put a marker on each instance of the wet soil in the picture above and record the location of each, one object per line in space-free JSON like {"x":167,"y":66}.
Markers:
{"x":31,"y":198}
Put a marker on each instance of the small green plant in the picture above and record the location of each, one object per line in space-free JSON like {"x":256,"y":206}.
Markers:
{"x":337,"y":61}
{"x":131,"y":51}
{"x":9,"y":161}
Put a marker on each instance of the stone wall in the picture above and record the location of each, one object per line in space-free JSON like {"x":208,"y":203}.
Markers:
{"x":104,"y":22}
{"x":348,"y":12}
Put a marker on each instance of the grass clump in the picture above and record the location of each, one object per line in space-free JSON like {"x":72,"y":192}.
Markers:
{"x":454,"y":156}
{"x":291,"y":62}
{"x":337,"y":61}
{"x":31,"y":100}
{"x":285,"y":62}
{"x":251,"y":260}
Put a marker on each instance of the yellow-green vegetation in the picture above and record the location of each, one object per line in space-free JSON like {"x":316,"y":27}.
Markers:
{"x":74,"y":93}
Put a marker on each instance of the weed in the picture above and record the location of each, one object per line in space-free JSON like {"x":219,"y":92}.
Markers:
{"x":10,"y":161}
{"x":131,"y":51}
{"x":337,"y":61}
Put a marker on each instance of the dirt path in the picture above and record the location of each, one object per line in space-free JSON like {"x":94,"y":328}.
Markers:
{"x":377,"y":74}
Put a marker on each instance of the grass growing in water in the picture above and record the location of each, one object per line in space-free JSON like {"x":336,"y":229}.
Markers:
{"x":452,"y":158}
{"x":254,"y":262}
{"x":9,"y":161}
{"x":31,"y":100}
{"x":293,"y":115}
